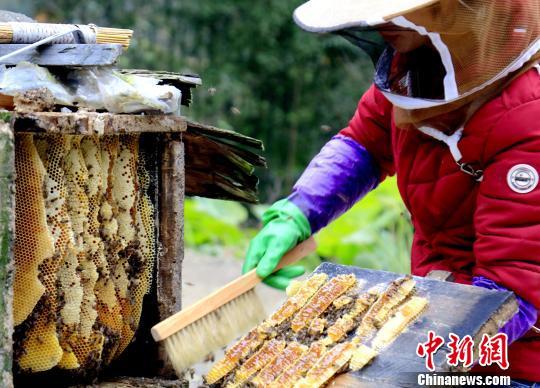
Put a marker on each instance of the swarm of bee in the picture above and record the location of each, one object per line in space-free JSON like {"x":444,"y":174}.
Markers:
{"x":325,"y":327}
{"x":84,"y":249}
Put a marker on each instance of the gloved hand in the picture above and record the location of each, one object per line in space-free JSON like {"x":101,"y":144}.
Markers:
{"x":285,"y":226}
{"x":339,"y":176}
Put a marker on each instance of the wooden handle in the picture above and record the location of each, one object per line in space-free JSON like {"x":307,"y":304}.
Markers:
{"x":225,"y":294}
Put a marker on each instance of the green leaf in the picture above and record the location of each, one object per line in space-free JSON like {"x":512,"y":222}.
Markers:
{"x":376,"y":233}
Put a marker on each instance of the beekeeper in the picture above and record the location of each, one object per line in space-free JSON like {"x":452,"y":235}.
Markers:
{"x":454,"y":112}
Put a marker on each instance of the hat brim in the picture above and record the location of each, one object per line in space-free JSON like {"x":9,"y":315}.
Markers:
{"x":333,"y":15}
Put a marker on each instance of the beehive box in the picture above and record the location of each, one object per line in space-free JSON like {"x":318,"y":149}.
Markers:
{"x":91,"y":221}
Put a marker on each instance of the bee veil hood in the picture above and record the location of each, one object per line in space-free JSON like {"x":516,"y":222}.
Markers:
{"x":473,"y":44}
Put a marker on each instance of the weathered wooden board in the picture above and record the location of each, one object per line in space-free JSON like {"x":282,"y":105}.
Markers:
{"x":184,"y":82}
{"x":64,"y":54}
{"x":171,"y":235}
{"x":222,"y":134}
{"x":453,"y":308}
{"x":189,"y":79}
{"x":220,"y":170}
{"x":92,"y":123}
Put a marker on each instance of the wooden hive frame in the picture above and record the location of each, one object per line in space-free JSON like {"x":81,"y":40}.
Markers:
{"x":191,"y":158}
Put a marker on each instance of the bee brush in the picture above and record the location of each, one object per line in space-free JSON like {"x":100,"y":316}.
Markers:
{"x":219,"y":318}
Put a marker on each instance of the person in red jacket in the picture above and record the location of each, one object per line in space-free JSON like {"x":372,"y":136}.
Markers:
{"x":453,"y":112}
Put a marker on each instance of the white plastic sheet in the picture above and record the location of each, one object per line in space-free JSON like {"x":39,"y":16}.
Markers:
{"x":27,"y":76}
{"x":94,"y":88}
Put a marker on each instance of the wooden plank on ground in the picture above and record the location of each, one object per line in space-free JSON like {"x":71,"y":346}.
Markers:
{"x":64,"y":54}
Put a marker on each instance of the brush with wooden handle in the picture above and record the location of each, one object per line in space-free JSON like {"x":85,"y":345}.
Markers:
{"x":216,"y":320}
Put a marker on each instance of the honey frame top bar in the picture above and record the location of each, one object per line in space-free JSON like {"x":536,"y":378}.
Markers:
{"x":93,"y":123}
{"x":219,"y":163}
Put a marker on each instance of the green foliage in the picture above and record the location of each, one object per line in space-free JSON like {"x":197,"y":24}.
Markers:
{"x":218,"y":227}
{"x":210,"y":224}
{"x":376,"y":233}
{"x":5,"y":116}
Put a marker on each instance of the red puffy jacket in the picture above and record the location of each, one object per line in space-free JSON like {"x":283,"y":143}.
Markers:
{"x":467,"y":227}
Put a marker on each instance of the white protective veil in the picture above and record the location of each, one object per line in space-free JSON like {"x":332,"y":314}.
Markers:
{"x":471,"y":45}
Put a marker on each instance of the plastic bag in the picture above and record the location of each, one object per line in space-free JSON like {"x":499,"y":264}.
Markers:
{"x":96,"y":88}
{"x":105,"y":88}
{"x":27,"y":76}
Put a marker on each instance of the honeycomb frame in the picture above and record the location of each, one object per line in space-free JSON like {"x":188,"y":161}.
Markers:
{"x":172,"y":144}
{"x":86,"y":231}
{"x":325,"y":327}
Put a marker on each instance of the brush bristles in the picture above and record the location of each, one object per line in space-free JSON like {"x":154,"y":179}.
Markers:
{"x":214,"y":331}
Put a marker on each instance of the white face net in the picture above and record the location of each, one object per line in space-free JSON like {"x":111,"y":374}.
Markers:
{"x":444,"y":51}
{"x":406,"y":62}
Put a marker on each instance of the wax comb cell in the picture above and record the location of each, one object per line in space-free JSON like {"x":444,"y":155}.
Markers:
{"x":394,"y":295}
{"x":323,"y":298}
{"x":37,"y":347}
{"x":396,"y":292}
{"x":317,"y":326}
{"x":33,"y":243}
{"x":84,"y":249}
{"x":269,"y":373}
{"x":234,"y":355}
{"x":327,"y":366}
{"x":299,"y":299}
{"x":346,"y":323}
{"x":259,"y":360}
{"x":404,"y":316}
{"x":304,"y":363}
{"x":362,"y":356}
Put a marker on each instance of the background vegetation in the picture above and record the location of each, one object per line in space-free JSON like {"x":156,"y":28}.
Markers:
{"x":376,"y":233}
{"x":265,"y":77}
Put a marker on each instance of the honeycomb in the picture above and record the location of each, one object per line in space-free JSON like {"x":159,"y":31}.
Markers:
{"x":36,"y":263}
{"x":304,"y":363}
{"x":325,"y":327}
{"x":84,"y":249}
{"x":284,"y":360}
{"x":327,"y":366}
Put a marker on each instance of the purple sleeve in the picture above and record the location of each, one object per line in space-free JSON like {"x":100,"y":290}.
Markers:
{"x":522,"y":322}
{"x":339,"y":176}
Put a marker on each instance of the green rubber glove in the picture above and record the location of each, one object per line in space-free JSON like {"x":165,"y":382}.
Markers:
{"x":285,"y":226}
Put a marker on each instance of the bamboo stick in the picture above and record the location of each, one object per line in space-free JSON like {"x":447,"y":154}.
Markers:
{"x":104,"y":35}
{"x":6,"y":33}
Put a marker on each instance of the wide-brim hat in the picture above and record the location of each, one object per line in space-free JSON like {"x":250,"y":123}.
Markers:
{"x":333,"y":15}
